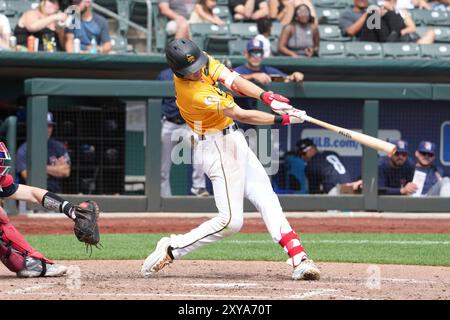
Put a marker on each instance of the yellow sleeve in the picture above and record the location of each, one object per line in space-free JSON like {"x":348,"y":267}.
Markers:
{"x":214,"y":102}
{"x":215,"y":68}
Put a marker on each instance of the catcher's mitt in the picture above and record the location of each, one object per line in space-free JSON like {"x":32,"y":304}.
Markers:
{"x":86,"y":227}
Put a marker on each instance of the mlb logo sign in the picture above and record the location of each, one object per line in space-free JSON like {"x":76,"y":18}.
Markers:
{"x":445,"y":143}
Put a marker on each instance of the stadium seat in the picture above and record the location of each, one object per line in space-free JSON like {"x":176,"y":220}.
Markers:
{"x":244,"y":30}
{"x":337,"y":4}
{"x":442,"y":34}
{"x":119,"y":44}
{"x":435,"y":51}
{"x":332,"y":50}
{"x":430,"y":17}
{"x":331,"y":33}
{"x":276,"y":29}
{"x":401,"y":50}
{"x":2,"y":6}
{"x":363,"y":49}
{"x":237,"y":47}
{"x":214,"y":38}
{"x":223,"y":12}
{"x":328,"y":15}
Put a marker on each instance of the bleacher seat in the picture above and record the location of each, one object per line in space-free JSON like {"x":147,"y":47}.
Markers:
{"x":211,"y":38}
{"x":363,"y":50}
{"x":331,"y":33}
{"x":2,"y":6}
{"x":442,"y":34}
{"x":331,"y":50}
{"x":430,"y":17}
{"x":401,"y":50}
{"x":337,"y":4}
{"x":328,"y":15}
{"x":237,"y":47}
{"x":119,"y":43}
{"x":276,"y":29}
{"x":244,"y":30}
{"x":138,"y":13}
{"x":223,"y":12}
{"x":435,"y":51}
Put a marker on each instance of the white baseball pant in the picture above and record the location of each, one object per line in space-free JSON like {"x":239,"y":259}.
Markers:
{"x":235,"y":172}
{"x":170,"y":134}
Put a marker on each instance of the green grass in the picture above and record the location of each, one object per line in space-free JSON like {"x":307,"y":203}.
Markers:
{"x":416,"y":249}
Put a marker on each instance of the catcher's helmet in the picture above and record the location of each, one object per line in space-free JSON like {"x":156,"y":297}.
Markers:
{"x":4,"y":155}
{"x":184,"y":57}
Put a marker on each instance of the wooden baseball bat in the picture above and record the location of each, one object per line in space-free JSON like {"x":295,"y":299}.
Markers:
{"x":362,"y":138}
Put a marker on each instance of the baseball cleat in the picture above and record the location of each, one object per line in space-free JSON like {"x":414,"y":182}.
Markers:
{"x":306,"y":270}
{"x":34,"y":269}
{"x":158,"y":259}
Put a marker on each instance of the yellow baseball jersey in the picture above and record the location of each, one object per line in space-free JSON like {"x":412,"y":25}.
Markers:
{"x":202,"y":102}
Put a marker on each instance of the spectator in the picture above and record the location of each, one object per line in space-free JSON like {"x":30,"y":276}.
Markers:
{"x":44,"y":24}
{"x":435,"y":184}
{"x":395,"y":174}
{"x":92,"y":27}
{"x":177,"y":11}
{"x":412,"y":4}
{"x":5,"y":32}
{"x":248,"y":10}
{"x":58,"y":160}
{"x":173,"y":126}
{"x":283,"y":10}
{"x":203,"y":13}
{"x":254,"y":70}
{"x":324,"y":170}
{"x":443,"y":5}
{"x":264,"y":32}
{"x":394,"y":26}
{"x":300,"y":37}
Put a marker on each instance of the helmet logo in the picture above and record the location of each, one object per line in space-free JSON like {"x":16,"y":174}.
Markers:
{"x":190,"y":58}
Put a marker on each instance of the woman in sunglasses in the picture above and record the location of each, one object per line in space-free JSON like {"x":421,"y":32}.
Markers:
{"x":300,"y":37}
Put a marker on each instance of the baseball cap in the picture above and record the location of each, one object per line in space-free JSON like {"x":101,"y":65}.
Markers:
{"x":50,"y":119}
{"x":255,"y":44}
{"x":304,"y":144}
{"x":402,"y":145}
{"x":427,"y":147}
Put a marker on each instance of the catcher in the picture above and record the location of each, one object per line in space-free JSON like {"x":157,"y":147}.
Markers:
{"x":15,"y":252}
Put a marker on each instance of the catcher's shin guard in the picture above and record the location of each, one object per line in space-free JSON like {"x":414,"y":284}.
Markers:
{"x":14,"y":248}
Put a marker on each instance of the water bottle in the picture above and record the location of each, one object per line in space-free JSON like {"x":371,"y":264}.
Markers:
{"x":76,"y":45}
{"x":93,"y":45}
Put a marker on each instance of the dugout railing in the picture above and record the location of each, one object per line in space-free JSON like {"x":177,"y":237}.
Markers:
{"x":39,"y":90}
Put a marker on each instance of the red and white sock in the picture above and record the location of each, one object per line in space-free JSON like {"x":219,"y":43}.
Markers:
{"x":291,"y":244}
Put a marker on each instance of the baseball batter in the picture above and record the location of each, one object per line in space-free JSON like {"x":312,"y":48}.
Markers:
{"x":234,"y":170}
{"x":15,"y":252}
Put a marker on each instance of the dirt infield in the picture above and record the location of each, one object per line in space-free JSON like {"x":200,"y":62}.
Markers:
{"x":230,"y":280}
{"x":31,"y":226}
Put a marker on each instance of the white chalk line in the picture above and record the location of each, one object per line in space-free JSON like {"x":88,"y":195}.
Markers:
{"x":363,"y":241}
{"x":313,"y":293}
{"x":28,"y":290}
{"x":222,"y":285}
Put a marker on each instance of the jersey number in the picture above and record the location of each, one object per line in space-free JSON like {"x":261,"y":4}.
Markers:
{"x":338,"y":166}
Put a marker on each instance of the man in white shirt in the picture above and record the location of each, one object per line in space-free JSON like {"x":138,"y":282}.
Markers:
{"x":5,"y":32}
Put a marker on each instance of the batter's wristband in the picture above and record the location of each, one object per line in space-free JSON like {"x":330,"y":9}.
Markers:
{"x":278,"y":119}
{"x":261,"y":95}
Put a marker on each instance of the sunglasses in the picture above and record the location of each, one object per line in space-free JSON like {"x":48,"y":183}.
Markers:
{"x":256,"y":54}
{"x":426,"y":154}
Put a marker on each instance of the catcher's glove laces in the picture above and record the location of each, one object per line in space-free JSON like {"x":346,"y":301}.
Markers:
{"x":86,"y":227}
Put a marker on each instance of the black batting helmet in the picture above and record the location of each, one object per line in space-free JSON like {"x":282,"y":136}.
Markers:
{"x":184,"y":57}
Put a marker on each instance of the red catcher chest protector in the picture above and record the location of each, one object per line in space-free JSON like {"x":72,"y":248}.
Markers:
{"x":13,"y":246}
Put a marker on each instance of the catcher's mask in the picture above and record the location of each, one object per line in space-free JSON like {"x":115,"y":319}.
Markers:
{"x":185,"y":57}
{"x":4,"y":155}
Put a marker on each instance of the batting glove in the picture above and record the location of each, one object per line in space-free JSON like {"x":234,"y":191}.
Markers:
{"x":276,"y":102}
{"x":294,"y":116}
